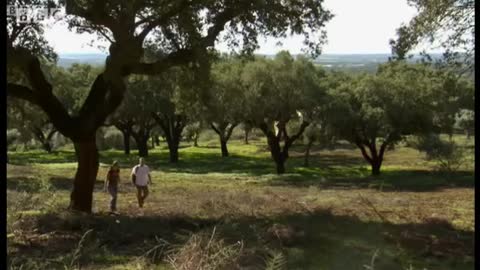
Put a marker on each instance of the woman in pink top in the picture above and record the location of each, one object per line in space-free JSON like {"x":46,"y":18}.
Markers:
{"x":111,"y":185}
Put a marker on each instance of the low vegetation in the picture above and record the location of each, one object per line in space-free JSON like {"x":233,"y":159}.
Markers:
{"x":216,"y":213}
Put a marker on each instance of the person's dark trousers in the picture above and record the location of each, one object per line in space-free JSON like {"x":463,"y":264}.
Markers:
{"x":142,"y":193}
{"x":113,"y":201}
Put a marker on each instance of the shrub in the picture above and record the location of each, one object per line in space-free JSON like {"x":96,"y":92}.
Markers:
{"x":238,"y":133}
{"x":465,"y":120}
{"x":208,"y":135}
{"x":108,"y":138}
{"x":59,"y":140}
{"x":113,"y":138}
{"x":448,"y":155}
{"x":12,"y":137}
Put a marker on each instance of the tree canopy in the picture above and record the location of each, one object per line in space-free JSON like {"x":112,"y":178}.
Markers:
{"x":450,"y":23}
{"x":226,"y":101}
{"x":375,"y":111}
{"x":278,"y":91}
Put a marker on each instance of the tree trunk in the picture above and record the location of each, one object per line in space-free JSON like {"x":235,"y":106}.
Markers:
{"x":153,"y":141}
{"x":223,"y":144}
{"x":47,"y":147}
{"x":172,"y":129}
{"x":246,"y":136}
{"x":277,"y":154}
{"x":142,"y":145}
{"x":307,"y":153}
{"x":81,"y":198}
{"x":173,"y":143}
{"x":280,"y":164}
{"x":467,"y":133}
{"x":44,"y":139}
{"x":374,"y":158}
{"x":224,"y":131}
{"x":77,"y":149}
{"x":126,"y":142}
{"x":173,"y":150}
{"x":376,"y":165}
{"x":195,"y":140}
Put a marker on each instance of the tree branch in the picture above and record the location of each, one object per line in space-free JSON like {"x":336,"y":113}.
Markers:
{"x":364,"y":152}
{"x":96,"y":14}
{"x":264,"y":128}
{"x":292,"y":139}
{"x":182,"y":56}
{"x":102,"y":100}
{"x":162,"y":124}
{"x":41,"y":90}
{"x":51,"y":133}
{"x":21,"y":92}
{"x":162,"y":20}
{"x":230,"y":130}
{"x":215,"y":129}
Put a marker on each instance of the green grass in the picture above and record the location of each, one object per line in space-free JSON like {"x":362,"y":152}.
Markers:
{"x":330,"y":215}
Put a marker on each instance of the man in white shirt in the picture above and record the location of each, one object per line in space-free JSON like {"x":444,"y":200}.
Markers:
{"x":141,"y":178}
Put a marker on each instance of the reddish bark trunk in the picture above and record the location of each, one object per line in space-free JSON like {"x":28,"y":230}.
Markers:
{"x":81,"y":198}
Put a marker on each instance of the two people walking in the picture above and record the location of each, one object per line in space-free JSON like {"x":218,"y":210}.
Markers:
{"x":141,"y":178}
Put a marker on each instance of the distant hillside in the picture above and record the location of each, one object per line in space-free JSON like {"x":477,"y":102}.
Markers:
{"x":356,"y":62}
{"x":359,"y":62}
{"x":94,"y":59}
{"x":351,"y":62}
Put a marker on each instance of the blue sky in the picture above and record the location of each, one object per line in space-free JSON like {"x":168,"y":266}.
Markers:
{"x":359,"y":26}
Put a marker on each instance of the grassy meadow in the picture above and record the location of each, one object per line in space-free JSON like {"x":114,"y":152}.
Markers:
{"x":209,"y":212}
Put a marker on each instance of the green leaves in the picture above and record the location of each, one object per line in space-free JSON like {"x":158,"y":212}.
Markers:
{"x":72,"y":85}
{"x":226,"y":100}
{"x":280,"y":89}
{"x":448,"y":154}
{"x":448,"y":23}
{"x":394,"y":101}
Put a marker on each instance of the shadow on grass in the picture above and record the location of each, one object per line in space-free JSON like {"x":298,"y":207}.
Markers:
{"x":191,"y":161}
{"x":392,"y":180}
{"x":65,"y":183}
{"x":203,"y":163}
{"x":300,"y":147}
{"x":41,"y":157}
{"x":26,"y":184}
{"x":31,"y":185}
{"x":318,"y":240}
{"x":207,"y":147}
{"x":325,"y":170}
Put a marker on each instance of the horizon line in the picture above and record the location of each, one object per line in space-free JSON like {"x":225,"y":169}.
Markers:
{"x":349,"y":53}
